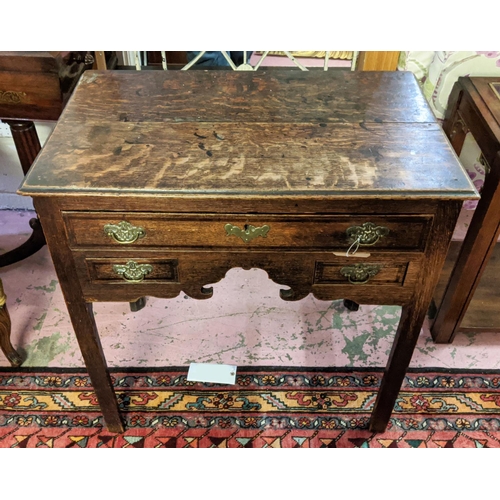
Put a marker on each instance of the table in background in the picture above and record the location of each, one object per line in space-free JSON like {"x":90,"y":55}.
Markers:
{"x":474,"y":106}
{"x":157,"y":182}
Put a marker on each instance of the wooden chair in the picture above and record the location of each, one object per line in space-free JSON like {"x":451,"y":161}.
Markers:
{"x":361,"y":61}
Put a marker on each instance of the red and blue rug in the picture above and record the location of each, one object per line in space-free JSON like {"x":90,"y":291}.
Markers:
{"x":266,"y":408}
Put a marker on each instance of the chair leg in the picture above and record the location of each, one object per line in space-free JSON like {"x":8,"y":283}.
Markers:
{"x":28,"y":146}
{"x":138,"y":304}
{"x":351,"y":305}
{"x":5,"y":328}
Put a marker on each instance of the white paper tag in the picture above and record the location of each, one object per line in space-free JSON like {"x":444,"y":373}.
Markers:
{"x":206,"y":372}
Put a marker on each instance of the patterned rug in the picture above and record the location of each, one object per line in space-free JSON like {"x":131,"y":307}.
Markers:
{"x":266,"y":408}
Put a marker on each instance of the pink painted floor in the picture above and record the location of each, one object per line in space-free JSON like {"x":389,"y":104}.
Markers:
{"x":245,"y":323}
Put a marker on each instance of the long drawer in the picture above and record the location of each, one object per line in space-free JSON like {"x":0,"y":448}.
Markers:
{"x":335,"y":232}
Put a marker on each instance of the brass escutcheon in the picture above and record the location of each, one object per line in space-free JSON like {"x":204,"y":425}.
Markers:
{"x":124,"y":232}
{"x":132,"y":271}
{"x":359,"y":274}
{"x":365,"y":235}
{"x":249,"y":233}
{"x":12,"y":97}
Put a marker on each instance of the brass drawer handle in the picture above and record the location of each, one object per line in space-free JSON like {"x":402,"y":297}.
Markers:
{"x":12,"y":97}
{"x":124,"y":232}
{"x":365,"y":235}
{"x":132,"y":271}
{"x":249,"y":233}
{"x":358,"y":274}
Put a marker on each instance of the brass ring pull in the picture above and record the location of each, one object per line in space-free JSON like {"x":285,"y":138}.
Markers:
{"x":132,"y":271}
{"x":249,"y":233}
{"x":365,"y":235}
{"x":359,"y":274}
{"x":124,"y":232}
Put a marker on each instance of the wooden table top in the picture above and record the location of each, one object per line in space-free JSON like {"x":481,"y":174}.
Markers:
{"x":265,"y":133}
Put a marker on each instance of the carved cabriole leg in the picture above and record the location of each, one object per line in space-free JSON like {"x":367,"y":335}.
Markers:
{"x":413,"y":314}
{"x":80,"y":312}
{"x":5,"y":328}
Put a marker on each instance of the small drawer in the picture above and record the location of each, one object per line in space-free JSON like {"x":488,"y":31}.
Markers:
{"x":130,"y":270}
{"x":249,"y":232}
{"x":370,"y":273}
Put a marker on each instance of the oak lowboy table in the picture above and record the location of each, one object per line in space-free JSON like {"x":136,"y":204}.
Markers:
{"x":339,"y":184}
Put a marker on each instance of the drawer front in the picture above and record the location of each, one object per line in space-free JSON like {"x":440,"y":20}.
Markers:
{"x":119,"y":275}
{"x":114,"y":229}
{"x":131,"y":270}
{"x":371,"y":273}
{"x":20,"y":97}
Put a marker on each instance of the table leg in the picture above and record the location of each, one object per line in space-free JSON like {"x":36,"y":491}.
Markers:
{"x":82,"y":317}
{"x":406,"y":338}
{"x":5,"y":327}
{"x":80,"y":312}
{"x":475,"y":252}
{"x":413,"y":315}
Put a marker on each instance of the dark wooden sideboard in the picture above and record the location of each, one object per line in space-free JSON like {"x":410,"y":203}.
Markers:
{"x":34,"y":86}
{"x":159,"y":182}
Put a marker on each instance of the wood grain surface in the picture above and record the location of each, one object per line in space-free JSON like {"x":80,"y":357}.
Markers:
{"x":223,"y":132}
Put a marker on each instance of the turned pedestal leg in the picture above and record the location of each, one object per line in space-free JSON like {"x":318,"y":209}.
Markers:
{"x":5,"y":345}
{"x":26,"y":141}
{"x":28,"y":147}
